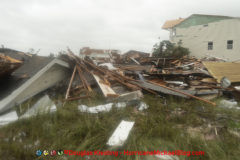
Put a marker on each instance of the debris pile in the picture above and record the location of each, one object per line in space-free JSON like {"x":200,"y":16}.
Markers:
{"x":186,"y":77}
{"x":105,"y":78}
{"x":121,"y":84}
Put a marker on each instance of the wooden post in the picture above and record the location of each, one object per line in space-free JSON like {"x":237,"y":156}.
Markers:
{"x":70,"y":83}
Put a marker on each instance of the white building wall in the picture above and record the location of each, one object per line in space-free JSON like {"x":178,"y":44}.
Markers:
{"x":196,"y":38}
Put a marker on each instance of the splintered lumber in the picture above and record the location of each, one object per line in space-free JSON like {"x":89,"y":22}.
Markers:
{"x":131,"y":83}
{"x":70,"y":83}
{"x":84,"y":81}
{"x":8,"y":64}
{"x":84,"y":85}
{"x":119,"y":78}
{"x":224,"y":69}
{"x":106,"y":89}
{"x":104,"y":75}
{"x":189,"y":95}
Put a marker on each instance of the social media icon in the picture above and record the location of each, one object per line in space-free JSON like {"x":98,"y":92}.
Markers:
{"x":53,"y":152}
{"x":38,"y":152}
{"x":60,"y":152}
{"x":45,"y":153}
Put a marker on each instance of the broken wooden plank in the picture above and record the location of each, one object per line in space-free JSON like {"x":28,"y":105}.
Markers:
{"x":106,"y":89}
{"x":70,"y":83}
{"x":84,"y":81}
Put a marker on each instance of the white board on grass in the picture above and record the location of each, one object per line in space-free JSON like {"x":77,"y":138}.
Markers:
{"x":120,"y":134}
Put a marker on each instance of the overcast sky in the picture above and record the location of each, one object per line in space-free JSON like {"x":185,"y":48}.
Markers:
{"x":52,"y":25}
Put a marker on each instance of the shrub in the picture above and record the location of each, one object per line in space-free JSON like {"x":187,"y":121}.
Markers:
{"x":168,"y":49}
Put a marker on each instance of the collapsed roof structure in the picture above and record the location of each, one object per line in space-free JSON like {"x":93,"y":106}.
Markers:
{"x":36,"y":74}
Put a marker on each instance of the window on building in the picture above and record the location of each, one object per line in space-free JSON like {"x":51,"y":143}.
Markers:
{"x":210,"y":45}
{"x":230,"y":44}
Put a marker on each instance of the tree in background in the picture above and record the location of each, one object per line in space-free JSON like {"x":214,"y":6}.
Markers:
{"x":167,"y":49}
{"x":33,"y":51}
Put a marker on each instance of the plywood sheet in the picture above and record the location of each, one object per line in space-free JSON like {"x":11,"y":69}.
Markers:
{"x":224,"y":69}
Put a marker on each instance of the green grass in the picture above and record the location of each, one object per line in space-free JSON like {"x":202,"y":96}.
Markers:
{"x":160,"y":127}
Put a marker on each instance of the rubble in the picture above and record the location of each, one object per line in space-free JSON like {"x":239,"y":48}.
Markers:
{"x":186,"y":77}
{"x":104,"y":78}
{"x":121,"y":85}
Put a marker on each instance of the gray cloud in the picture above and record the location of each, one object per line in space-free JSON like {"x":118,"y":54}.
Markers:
{"x":51,"y":25}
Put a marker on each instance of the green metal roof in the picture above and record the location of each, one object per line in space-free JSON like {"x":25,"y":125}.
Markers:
{"x":200,"y":19}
